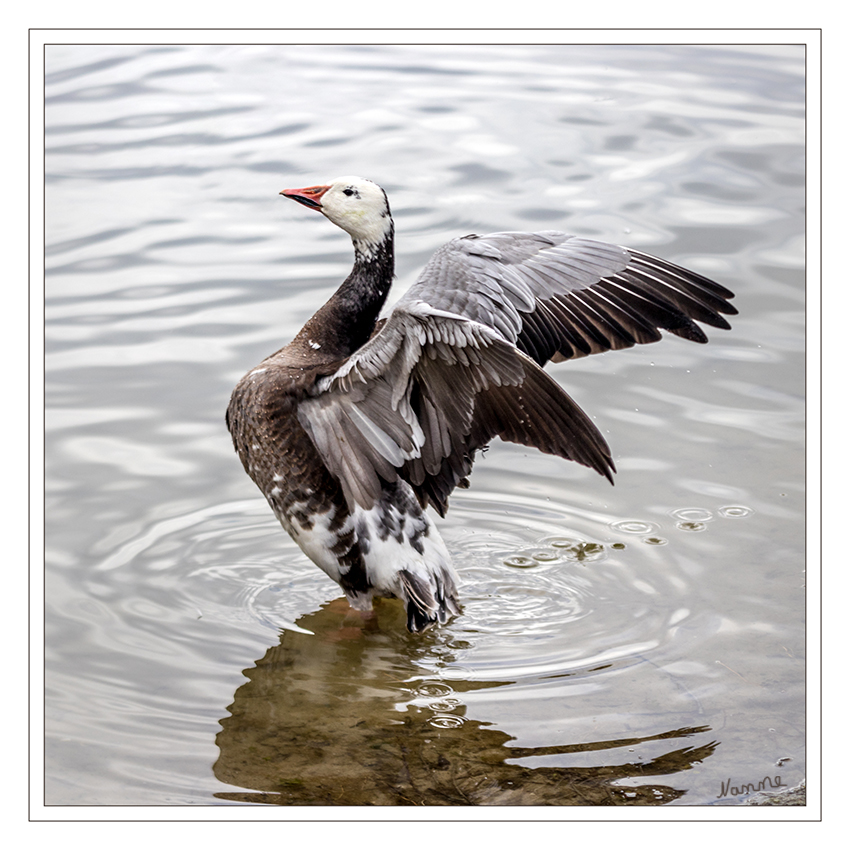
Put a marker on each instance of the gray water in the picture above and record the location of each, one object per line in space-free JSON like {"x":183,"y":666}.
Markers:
{"x":641,"y":644}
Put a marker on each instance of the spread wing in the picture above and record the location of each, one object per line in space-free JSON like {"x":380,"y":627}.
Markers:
{"x":456,"y":363}
{"x":559,"y":296}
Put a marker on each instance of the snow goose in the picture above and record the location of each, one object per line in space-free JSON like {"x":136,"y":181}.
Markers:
{"x":358,"y":425}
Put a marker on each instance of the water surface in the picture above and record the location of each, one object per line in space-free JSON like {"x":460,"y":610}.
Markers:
{"x":640,"y":644}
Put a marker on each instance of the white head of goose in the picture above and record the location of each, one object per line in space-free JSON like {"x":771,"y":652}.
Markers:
{"x":357,"y":426}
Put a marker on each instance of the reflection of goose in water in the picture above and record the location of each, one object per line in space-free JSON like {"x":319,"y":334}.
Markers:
{"x":353,"y":429}
{"x":344,"y":717}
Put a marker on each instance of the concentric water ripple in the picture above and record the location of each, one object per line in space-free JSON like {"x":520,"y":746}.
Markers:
{"x":546,"y":589}
{"x":230,"y":561}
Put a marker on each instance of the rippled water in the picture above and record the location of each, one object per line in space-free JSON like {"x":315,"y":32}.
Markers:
{"x":636,"y":644}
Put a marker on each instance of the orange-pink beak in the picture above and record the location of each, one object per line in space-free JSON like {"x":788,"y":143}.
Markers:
{"x":309,"y":196}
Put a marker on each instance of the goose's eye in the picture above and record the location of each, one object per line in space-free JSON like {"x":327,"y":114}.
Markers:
{"x":349,"y":191}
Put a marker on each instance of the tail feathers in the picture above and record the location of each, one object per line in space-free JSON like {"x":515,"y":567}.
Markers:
{"x":430,"y":598}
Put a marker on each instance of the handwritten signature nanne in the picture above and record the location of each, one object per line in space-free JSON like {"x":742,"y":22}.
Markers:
{"x":727,"y":789}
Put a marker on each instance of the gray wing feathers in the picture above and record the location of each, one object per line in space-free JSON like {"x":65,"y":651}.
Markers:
{"x":558,"y":296}
{"x":361,"y":437}
{"x":362,"y":418}
{"x":449,"y":386}
{"x":456,"y":363}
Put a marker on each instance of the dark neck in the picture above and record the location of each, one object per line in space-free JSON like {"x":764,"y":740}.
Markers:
{"x":348,"y":318}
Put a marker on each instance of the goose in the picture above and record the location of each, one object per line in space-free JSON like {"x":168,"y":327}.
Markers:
{"x":358,"y":426}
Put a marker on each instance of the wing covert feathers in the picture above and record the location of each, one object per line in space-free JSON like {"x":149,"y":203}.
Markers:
{"x":464,"y":387}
